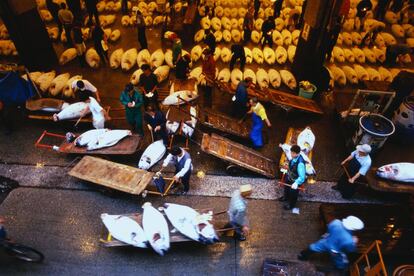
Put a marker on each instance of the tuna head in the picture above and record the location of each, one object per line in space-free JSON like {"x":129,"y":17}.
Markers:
{"x":388,"y":172}
{"x":144,"y":163}
{"x":207,"y":233}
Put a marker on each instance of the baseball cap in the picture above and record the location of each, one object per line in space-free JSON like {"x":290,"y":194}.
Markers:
{"x":364,"y":148}
{"x":246,"y":188}
{"x":352,"y":223}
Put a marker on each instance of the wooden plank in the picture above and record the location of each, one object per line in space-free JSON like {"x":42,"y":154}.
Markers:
{"x":37,"y":105}
{"x":112,"y":175}
{"x":223,"y":123}
{"x":276,"y":97}
{"x":385,"y":185}
{"x":128,"y":145}
{"x":238,"y":154}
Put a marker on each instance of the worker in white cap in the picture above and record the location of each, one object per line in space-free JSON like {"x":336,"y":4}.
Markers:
{"x":337,"y":241}
{"x":356,"y":165}
{"x":238,"y":211}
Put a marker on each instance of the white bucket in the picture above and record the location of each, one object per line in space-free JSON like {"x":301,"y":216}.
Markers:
{"x":374,"y":129}
{"x":404,"y":117}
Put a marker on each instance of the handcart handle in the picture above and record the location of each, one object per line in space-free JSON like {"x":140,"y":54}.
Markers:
{"x":38,"y":143}
{"x":288,"y":185}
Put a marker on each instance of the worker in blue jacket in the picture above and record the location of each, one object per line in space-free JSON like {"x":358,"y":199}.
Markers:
{"x":296,"y":176}
{"x":132,"y":99}
{"x":337,"y":241}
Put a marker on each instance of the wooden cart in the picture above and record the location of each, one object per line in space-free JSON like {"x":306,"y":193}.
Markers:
{"x":276,"y":97}
{"x":386,"y":185}
{"x":175,"y":236}
{"x":238,"y":154}
{"x":128,"y":145}
{"x":117,"y":176}
{"x":224,"y":124}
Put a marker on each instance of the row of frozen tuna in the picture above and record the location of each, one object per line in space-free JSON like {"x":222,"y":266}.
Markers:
{"x":342,"y":75}
{"x":155,"y":232}
{"x":53,"y":32}
{"x":91,"y":57}
{"x":263,"y":78}
{"x":233,"y":8}
{"x":280,"y":55}
{"x":52,"y":84}
{"x":282,"y":37}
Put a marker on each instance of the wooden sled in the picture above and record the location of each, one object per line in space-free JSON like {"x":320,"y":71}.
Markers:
{"x":39,"y":104}
{"x":276,"y":97}
{"x":117,"y":176}
{"x":238,"y":154}
{"x":128,"y":145}
{"x":175,"y":237}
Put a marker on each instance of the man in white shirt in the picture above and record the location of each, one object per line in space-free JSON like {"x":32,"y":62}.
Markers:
{"x":98,"y":113}
{"x":183,"y":166}
{"x":358,"y":163}
{"x":84,"y":86}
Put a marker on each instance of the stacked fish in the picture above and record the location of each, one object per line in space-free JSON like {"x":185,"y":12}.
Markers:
{"x":154,"y":231}
{"x":53,"y":85}
{"x":7,"y":47}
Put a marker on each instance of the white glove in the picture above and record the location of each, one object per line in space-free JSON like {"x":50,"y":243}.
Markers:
{"x":233,"y":98}
{"x":294,"y":186}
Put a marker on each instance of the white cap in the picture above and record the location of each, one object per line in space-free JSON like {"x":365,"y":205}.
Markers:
{"x":352,"y":223}
{"x":364,"y":148}
{"x":246,"y":188}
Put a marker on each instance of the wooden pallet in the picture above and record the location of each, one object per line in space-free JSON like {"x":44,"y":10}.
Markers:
{"x":225,"y":124}
{"x":238,"y":154}
{"x":37,"y":105}
{"x":276,"y":97}
{"x":112,"y":175}
{"x":385,"y":185}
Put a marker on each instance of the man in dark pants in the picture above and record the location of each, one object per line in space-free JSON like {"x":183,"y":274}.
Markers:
{"x":209,"y":71}
{"x":237,"y":51}
{"x":124,"y":7}
{"x":75,"y":7}
{"x":267,"y":29}
{"x":256,"y":8}
{"x":240,"y":100}
{"x":148,"y":83}
{"x":156,"y":121}
{"x":183,"y":166}
{"x":248,"y":26}
{"x":92,"y":11}
{"x":54,"y":11}
{"x":359,"y":164}
{"x":142,"y":38}
{"x":182,"y":67}
{"x":296,"y":176}
{"x":79,"y":43}
{"x":277,"y":7}
{"x":210,"y":40}
{"x":381,"y":9}
{"x":98,"y":37}
{"x":66,"y":18}
{"x":132,"y":100}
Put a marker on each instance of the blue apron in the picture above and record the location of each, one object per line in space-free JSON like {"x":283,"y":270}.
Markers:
{"x":256,"y":131}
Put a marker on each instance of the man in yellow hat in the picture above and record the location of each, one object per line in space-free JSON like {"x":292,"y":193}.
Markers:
{"x":238,"y":211}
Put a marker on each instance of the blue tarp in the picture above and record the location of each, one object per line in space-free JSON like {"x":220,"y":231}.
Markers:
{"x":14,"y":89}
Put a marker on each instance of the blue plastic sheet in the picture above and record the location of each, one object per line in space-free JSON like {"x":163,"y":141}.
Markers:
{"x":14,"y":89}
